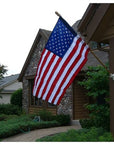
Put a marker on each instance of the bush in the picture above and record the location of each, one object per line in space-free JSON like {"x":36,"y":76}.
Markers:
{"x":62,"y":119}
{"x":86,"y":123}
{"x":9,"y":109}
{"x":22,"y":124}
{"x":45,"y":115}
{"x":16,"y":98}
{"x":86,"y":135}
{"x":97,"y":84}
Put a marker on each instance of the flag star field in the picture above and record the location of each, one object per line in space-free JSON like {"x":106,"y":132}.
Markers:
{"x":60,"y":40}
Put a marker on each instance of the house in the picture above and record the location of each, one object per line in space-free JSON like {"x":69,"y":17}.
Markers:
{"x":97,"y":25}
{"x":74,"y":99}
{"x":8,"y":85}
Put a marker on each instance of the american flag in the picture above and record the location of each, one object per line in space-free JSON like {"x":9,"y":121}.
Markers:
{"x":62,"y":58}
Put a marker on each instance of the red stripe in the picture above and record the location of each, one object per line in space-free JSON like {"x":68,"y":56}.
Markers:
{"x":69,"y":71}
{"x":44,"y":74}
{"x":54,"y":69}
{"x":44,"y":61}
{"x":38,"y":68}
{"x":62,"y":69}
{"x":80,"y":67}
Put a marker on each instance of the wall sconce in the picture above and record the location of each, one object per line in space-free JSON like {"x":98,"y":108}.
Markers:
{"x":112,"y":76}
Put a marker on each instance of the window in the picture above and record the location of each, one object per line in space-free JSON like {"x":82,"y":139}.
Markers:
{"x":34,"y":101}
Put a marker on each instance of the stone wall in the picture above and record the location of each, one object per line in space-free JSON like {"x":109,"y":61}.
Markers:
{"x":66,"y":104}
{"x":30,"y":71}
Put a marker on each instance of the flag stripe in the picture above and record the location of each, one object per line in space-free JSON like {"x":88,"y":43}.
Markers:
{"x":44,"y":71}
{"x":75,"y":52}
{"x":36,"y":77}
{"x":58,"y":86}
{"x":60,"y":68}
{"x":69,"y":79}
{"x":49,"y":77}
{"x":47,"y":74}
{"x":43,"y":67}
{"x":43,"y":58}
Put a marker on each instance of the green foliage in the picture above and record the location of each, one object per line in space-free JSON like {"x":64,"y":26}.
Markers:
{"x":62,"y":119}
{"x":3,"y":70}
{"x":22,"y":124}
{"x":45,"y":115}
{"x":99,"y":117}
{"x":86,"y":135}
{"x":87,"y":123}
{"x":9,"y":109}
{"x":97,"y":84}
{"x":16,"y":98}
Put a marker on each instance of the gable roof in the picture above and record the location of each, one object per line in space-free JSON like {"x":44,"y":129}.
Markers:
{"x":41,"y":33}
{"x":8,"y":80}
{"x":92,"y":61}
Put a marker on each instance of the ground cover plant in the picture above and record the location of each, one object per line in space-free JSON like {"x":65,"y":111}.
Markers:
{"x":14,"y":124}
{"x":86,"y":135}
{"x":21,"y":124}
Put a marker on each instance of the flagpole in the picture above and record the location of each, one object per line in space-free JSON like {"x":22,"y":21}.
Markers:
{"x":58,"y":14}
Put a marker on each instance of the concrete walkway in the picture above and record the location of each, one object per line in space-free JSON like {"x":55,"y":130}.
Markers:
{"x":35,"y":134}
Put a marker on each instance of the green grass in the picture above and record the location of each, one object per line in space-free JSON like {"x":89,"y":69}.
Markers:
{"x":85,"y":135}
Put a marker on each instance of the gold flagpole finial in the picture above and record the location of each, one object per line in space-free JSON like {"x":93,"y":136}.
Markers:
{"x":57,"y":14}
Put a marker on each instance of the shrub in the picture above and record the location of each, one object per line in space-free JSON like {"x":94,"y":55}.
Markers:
{"x":9,"y":109}
{"x":97,"y":84}
{"x":62,"y":119}
{"x":86,"y":123}
{"x":3,"y":117}
{"x":86,"y":135}
{"x":45,"y":115}
{"x":16,"y":98}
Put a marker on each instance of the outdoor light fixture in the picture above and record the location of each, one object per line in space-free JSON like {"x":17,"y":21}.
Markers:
{"x":112,"y":76}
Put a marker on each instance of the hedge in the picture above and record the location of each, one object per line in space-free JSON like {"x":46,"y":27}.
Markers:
{"x":10,"y":109}
{"x":23,"y":124}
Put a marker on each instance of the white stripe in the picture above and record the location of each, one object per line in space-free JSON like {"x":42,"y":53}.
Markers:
{"x":44,"y":67}
{"x":37,"y":75}
{"x":71,"y":74}
{"x":43,"y":70}
{"x":59,"y":67}
{"x":47,"y":76}
{"x":65,"y":71}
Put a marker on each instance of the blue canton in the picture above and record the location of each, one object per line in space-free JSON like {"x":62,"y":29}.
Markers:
{"x":60,"y":39}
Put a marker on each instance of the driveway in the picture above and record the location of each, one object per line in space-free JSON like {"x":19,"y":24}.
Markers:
{"x":35,"y":134}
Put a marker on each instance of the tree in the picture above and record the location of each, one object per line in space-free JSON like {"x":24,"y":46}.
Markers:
{"x":3,"y":70}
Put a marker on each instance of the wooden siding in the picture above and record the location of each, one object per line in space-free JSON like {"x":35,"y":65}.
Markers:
{"x":37,"y":109}
{"x":79,"y":100}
